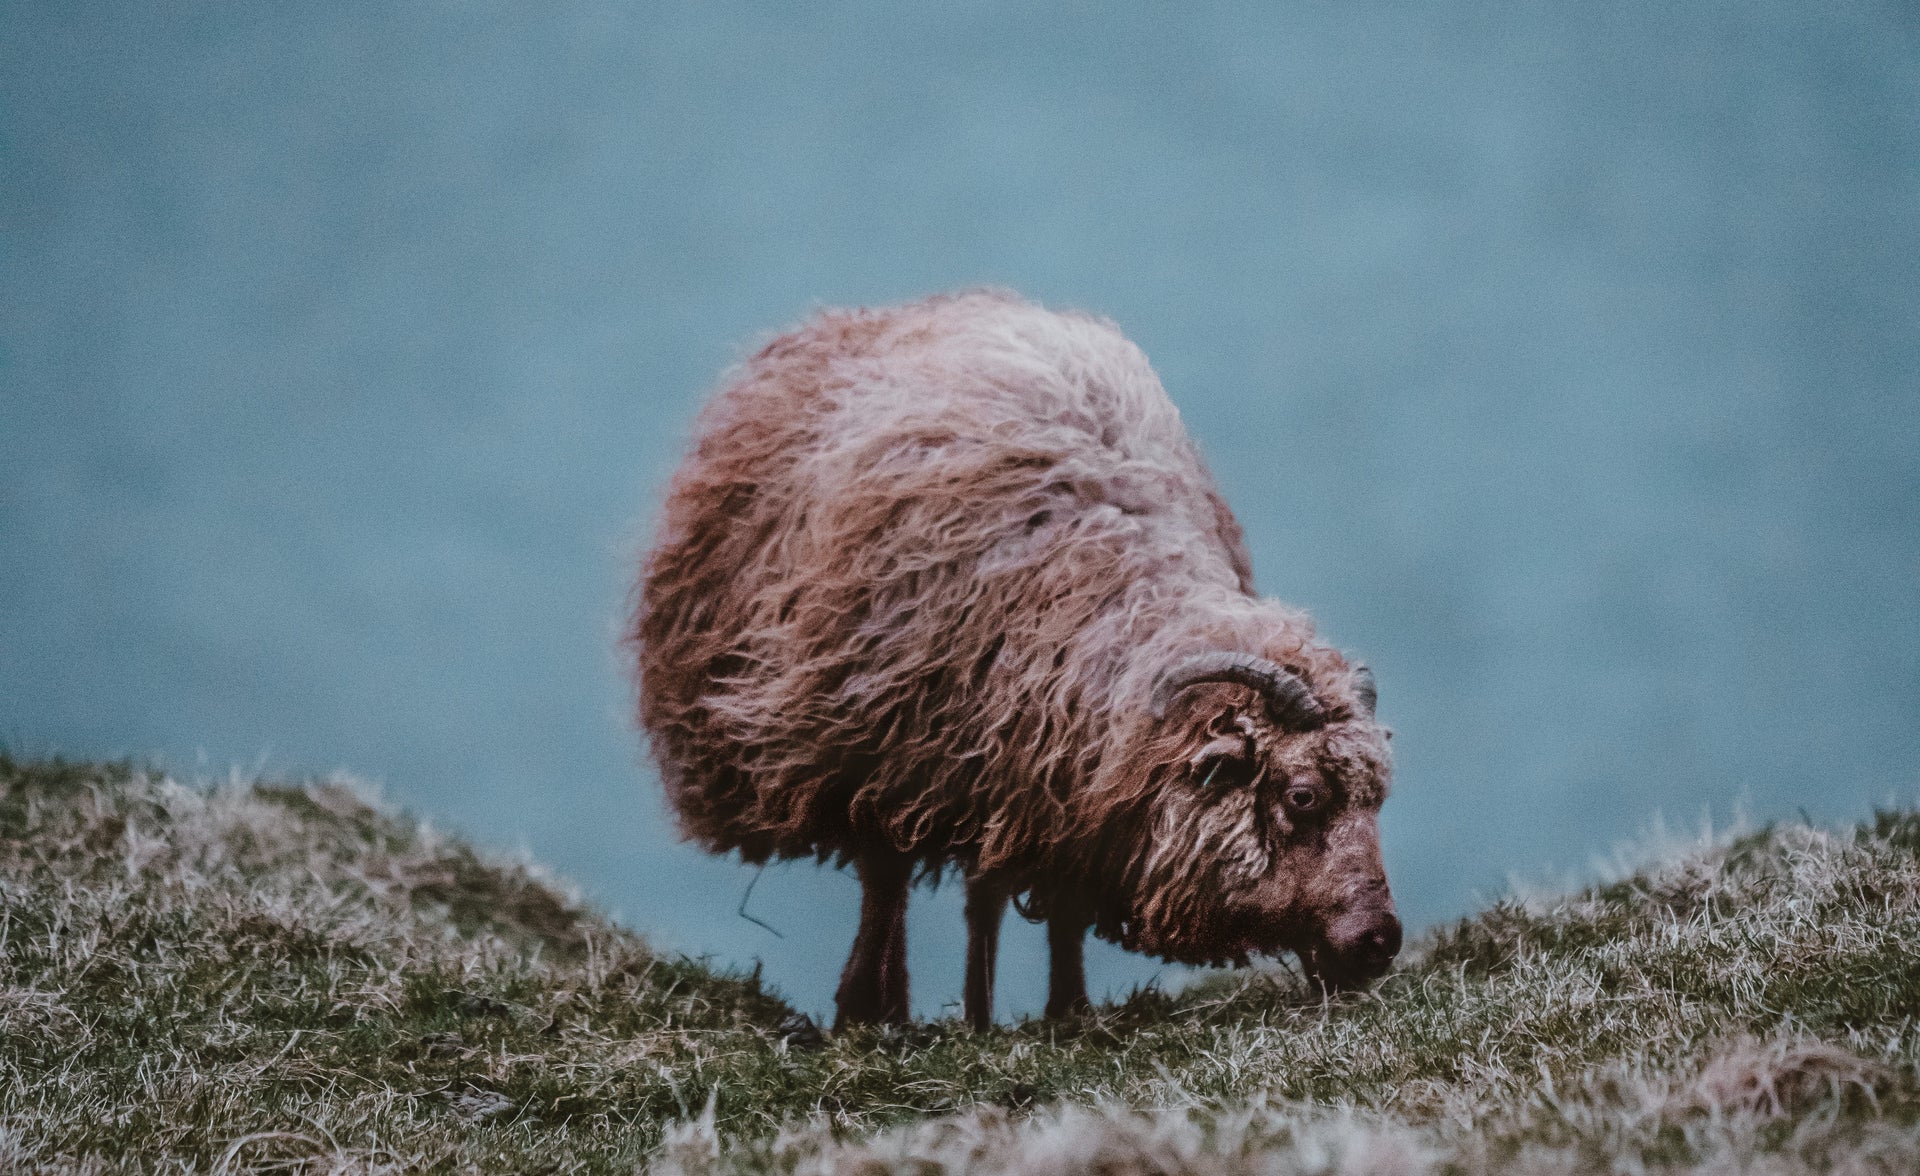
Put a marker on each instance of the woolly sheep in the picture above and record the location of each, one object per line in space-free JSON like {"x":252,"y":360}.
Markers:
{"x":947,"y":585}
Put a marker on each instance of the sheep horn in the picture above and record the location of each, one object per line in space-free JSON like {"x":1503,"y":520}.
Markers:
{"x":1291,"y":704}
{"x":1365,"y":689}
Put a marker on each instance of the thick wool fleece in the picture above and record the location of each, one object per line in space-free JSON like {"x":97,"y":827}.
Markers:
{"x":911,"y":592}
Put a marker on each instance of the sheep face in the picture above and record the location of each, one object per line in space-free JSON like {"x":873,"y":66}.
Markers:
{"x":1260,"y":840}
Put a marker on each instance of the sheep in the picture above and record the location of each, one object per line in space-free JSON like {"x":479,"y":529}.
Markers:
{"x":948,"y":586}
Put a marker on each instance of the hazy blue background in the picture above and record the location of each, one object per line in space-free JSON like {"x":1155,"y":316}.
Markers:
{"x":1562,"y":358}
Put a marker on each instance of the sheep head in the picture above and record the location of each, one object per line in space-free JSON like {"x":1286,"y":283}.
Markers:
{"x":1257,"y":788}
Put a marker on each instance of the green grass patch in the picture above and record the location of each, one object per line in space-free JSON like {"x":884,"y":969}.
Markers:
{"x":251,"y":976}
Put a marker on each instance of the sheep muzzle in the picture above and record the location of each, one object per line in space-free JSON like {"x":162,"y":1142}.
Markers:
{"x":1355,"y":951}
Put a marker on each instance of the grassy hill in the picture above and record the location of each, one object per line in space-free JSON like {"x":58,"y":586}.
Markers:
{"x":253,"y":976}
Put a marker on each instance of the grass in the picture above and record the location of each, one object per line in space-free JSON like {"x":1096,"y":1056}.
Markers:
{"x":255,"y":977}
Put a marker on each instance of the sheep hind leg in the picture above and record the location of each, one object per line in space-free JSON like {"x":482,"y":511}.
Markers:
{"x":873,"y":988}
{"x":985,"y":905}
{"x":1067,"y":975}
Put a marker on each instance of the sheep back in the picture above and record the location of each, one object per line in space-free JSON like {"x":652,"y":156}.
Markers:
{"x":891,"y":593}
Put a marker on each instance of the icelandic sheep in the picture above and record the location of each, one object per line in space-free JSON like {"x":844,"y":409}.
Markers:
{"x":947,"y":585}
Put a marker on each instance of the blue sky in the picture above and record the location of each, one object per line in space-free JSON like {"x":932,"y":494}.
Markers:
{"x":1561,"y":358}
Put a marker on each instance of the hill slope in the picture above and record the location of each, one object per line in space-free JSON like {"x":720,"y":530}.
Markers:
{"x":257,"y":976}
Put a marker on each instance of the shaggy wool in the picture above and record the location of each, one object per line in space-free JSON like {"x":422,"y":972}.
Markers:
{"x":912,"y":590}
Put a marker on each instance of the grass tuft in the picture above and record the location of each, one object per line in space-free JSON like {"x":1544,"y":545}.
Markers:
{"x":254,"y":976}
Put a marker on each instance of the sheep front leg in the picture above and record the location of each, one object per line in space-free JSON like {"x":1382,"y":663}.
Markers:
{"x":873,"y":988}
{"x":986,"y":903}
{"x":1067,"y":977}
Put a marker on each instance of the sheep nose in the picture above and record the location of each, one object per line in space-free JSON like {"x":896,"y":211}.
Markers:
{"x":1382,"y":943}
{"x":1371,"y":940}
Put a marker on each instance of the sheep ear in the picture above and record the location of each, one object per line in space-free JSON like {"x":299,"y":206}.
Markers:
{"x":1228,"y":722}
{"x":1223,"y":767}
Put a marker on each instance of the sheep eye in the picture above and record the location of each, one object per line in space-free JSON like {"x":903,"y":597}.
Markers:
{"x":1303,"y":799}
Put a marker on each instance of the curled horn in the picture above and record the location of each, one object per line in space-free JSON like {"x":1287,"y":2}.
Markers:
{"x":1364,"y":688}
{"x":1291,"y":704}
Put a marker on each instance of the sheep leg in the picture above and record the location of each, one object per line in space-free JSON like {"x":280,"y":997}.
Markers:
{"x":1067,"y":978}
{"x":985,"y":905}
{"x":873,"y":988}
